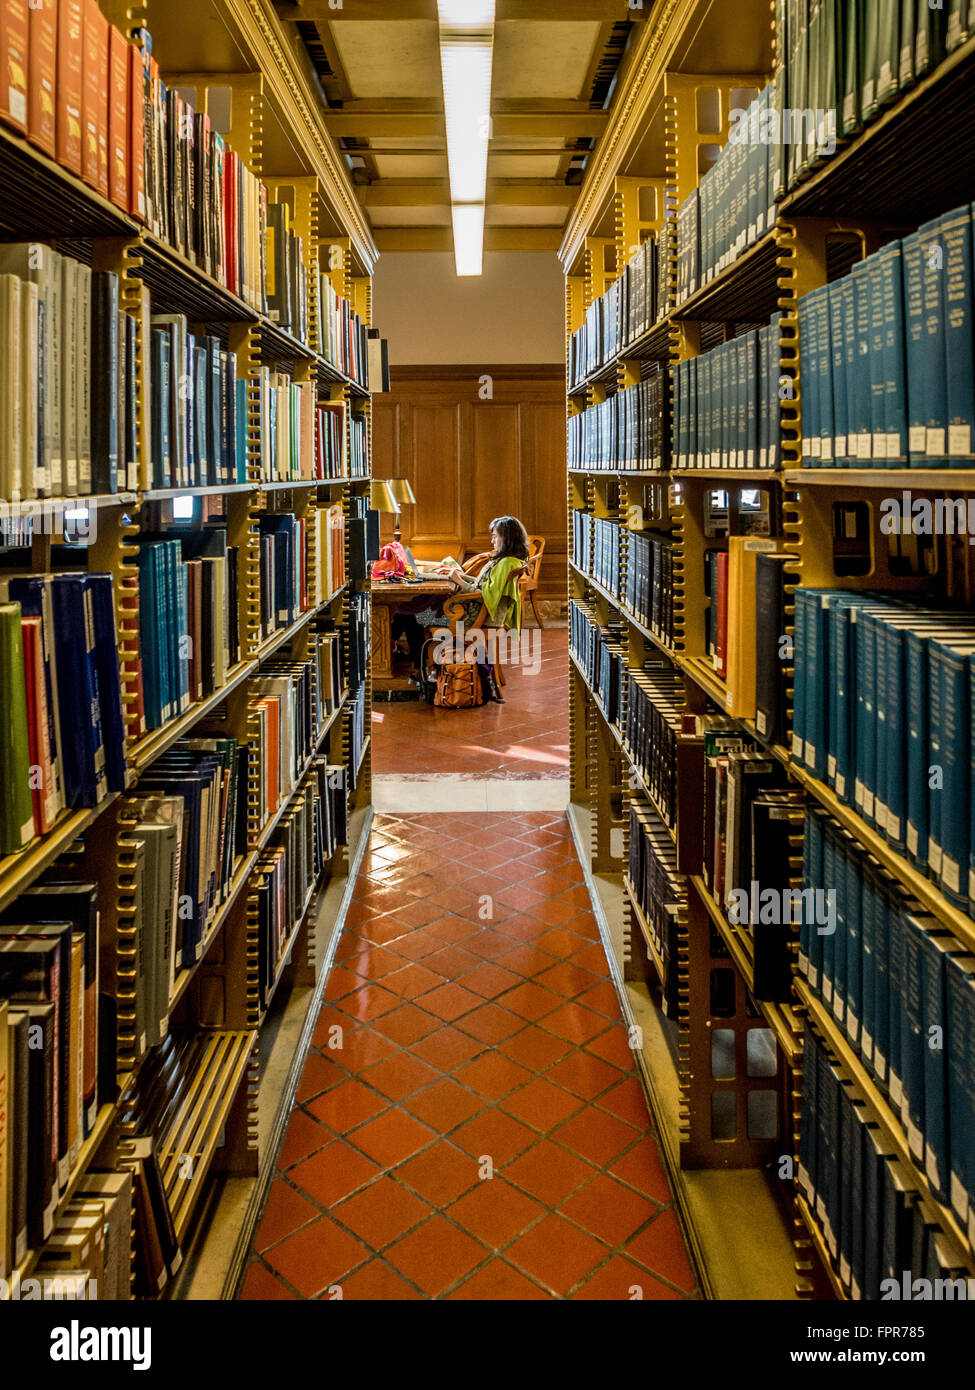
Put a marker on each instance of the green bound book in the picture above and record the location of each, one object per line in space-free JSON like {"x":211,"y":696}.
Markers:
{"x":888,"y":50}
{"x":16,"y":801}
{"x":851,"y":119}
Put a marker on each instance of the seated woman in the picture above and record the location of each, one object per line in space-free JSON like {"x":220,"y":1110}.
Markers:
{"x":497,"y":583}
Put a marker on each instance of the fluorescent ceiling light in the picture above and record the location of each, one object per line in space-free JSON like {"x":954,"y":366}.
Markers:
{"x":468,"y":219}
{"x":466,"y":14}
{"x":467,"y":109}
{"x":466,"y":57}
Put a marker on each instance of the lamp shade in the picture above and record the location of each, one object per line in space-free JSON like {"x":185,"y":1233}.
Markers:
{"x":381,"y":497}
{"x":401,"y":490}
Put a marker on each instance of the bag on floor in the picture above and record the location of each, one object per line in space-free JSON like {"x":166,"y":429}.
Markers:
{"x":459,"y":686}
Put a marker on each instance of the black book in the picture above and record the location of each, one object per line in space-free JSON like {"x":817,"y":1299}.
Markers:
{"x":35,"y":967}
{"x":774,"y":818}
{"x":19,"y":1131}
{"x":104,"y":381}
{"x":770,"y":665}
{"x":279,"y":278}
{"x":42,"y":1177}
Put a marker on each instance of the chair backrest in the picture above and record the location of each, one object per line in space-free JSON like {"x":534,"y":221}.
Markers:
{"x":537,"y":549}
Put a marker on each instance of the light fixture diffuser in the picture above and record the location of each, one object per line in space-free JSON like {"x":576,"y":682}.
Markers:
{"x":466,"y":58}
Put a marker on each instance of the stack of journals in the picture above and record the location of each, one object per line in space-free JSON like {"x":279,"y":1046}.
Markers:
{"x":357,"y":734}
{"x":90,"y":1248}
{"x":283,"y":564}
{"x":751,"y":817}
{"x":67,"y":377}
{"x":50,"y":1093}
{"x":895,"y":981}
{"x":605,"y":565}
{"x":601,"y":654}
{"x":735,"y":204}
{"x":331,"y":441}
{"x":654,"y":697}
{"x":659,"y":891}
{"x":63,"y":734}
{"x":358,"y":446}
{"x":198,"y":425}
{"x":863,"y":1196}
{"x":199,"y":194}
{"x":855,"y":60}
{"x":582,"y":524}
{"x":326,"y":652}
{"x":187,"y":619}
{"x":628,"y":431}
{"x":187,"y":821}
{"x":888,"y":356}
{"x":287,"y":275}
{"x":628,"y":309}
{"x":883,"y":716}
{"x":289,"y":870}
{"x":727,"y":404}
{"x":288,"y":428}
{"x":741,"y":647}
{"x":288,"y":720}
{"x":340,"y":335}
{"x":649,"y":587}
{"x":73,"y":85}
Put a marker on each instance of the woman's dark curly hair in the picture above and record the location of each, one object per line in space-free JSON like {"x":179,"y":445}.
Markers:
{"x":514,"y":538}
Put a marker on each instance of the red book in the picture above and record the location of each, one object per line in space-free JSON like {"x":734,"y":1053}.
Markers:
{"x":721,"y":599}
{"x":230,"y":220}
{"x":45,"y":808}
{"x":118,"y":119}
{"x":137,"y":134}
{"x":69,"y":84}
{"x":43,"y":73}
{"x":14,"y":32}
{"x":94,"y":96}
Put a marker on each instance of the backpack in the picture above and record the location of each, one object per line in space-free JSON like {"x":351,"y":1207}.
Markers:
{"x":451,"y":685}
{"x":459,"y":686}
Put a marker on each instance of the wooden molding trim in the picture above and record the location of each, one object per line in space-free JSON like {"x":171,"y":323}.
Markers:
{"x":463,"y":372}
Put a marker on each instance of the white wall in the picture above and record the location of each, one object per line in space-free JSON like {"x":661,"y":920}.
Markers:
{"x":514,"y":312}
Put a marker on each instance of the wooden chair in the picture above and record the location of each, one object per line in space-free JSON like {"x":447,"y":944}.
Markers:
{"x":529,"y":581}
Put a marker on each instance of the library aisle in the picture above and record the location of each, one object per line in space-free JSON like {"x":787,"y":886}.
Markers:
{"x":470,"y":1124}
{"x":526,"y":738}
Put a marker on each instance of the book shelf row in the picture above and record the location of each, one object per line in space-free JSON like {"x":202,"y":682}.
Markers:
{"x":185,"y":458}
{"x":708,"y":739}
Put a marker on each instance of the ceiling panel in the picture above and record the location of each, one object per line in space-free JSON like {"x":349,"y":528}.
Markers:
{"x":411,"y":166}
{"x":429,"y":216}
{"x":524,"y":217}
{"x":400,"y":58}
{"x":527,"y":166}
{"x":537,"y":59}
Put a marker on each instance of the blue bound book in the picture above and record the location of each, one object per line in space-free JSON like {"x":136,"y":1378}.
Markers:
{"x":894,"y":368}
{"x":109,"y":683}
{"x":914,"y":347}
{"x":240,"y":387}
{"x":161,"y":408}
{"x":933,"y":363}
{"x":868,"y":961}
{"x":896,"y":957}
{"x":808,"y":1121}
{"x":809,"y":376}
{"x":149,"y":647}
{"x":877,"y":366}
{"x":957,"y":289}
{"x":911,"y":1035}
{"x":881,"y":909}
{"x":860,"y":393}
{"x":960,"y":1056}
{"x":936,"y":949}
{"x":824,"y":387}
{"x":854,"y":947}
{"x":949,"y":667}
{"x":841,"y":414}
{"x":78,"y":696}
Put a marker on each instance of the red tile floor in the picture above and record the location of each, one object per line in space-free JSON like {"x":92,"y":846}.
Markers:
{"x":526,"y":737}
{"x":470,"y":1124}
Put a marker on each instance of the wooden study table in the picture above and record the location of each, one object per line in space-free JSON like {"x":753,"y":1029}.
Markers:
{"x":387,"y":595}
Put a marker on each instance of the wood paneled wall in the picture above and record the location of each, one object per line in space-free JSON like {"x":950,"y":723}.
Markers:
{"x":476,"y":443}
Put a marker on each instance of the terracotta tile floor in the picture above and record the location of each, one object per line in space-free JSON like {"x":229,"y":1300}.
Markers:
{"x":469,"y":1123}
{"x":525,"y":737}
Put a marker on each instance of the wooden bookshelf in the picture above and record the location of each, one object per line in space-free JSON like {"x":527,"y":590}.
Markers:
{"x":45,"y":202}
{"x":895,"y":174}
